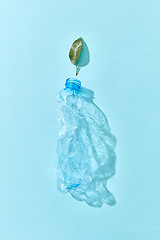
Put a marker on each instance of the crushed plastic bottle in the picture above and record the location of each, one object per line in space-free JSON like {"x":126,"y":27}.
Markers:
{"x":86,"y":157}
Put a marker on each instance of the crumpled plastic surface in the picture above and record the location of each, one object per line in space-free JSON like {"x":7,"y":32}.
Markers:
{"x":86,"y":157}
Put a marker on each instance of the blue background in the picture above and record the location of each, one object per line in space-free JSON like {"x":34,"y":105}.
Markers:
{"x":123,"y":38}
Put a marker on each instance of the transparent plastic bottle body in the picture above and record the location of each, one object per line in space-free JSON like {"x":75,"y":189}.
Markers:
{"x":86,"y":157}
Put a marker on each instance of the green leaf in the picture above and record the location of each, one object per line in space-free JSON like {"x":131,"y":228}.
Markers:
{"x":75,"y":51}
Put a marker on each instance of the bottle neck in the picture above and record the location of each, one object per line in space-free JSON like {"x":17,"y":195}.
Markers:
{"x":73,"y":84}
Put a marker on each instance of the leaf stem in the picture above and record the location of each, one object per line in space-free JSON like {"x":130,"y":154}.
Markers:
{"x":77,"y":70}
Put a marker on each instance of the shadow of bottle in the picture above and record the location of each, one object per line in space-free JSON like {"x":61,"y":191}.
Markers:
{"x":100,"y":145}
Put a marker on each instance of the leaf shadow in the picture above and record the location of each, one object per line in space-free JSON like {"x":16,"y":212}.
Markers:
{"x":84,"y":58}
